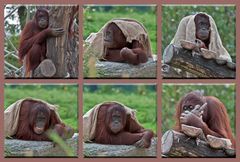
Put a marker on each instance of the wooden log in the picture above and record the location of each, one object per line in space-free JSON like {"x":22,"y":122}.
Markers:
{"x":175,"y":144}
{"x":23,"y":148}
{"x":100,"y":150}
{"x":45,"y":69}
{"x":107,"y":69}
{"x":197,"y":65}
{"x":170,"y":72}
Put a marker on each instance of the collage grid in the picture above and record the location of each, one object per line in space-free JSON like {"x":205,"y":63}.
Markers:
{"x":158,"y":81}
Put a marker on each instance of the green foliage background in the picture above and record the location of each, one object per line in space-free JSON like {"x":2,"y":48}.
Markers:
{"x":139,"y":97}
{"x":224,"y":16}
{"x":172,"y":93}
{"x":13,"y":26}
{"x":96,"y":16}
{"x":65,"y":96}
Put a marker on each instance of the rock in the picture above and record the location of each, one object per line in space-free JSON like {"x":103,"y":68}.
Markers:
{"x":20,"y":148}
{"x":106,"y":69}
{"x":99,"y":150}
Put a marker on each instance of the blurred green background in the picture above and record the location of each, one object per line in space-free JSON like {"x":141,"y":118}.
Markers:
{"x":172,"y":93}
{"x":96,"y":16}
{"x":65,"y":96}
{"x":224,"y":16}
{"x":139,"y":97}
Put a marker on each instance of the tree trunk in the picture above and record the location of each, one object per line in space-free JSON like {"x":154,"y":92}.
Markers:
{"x":63,"y":50}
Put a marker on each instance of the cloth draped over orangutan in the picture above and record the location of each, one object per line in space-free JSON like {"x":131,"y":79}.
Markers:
{"x":90,"y":120}
{"x":131,"y":29}
{"x":187,"y":31}
{"x":11,"y":115}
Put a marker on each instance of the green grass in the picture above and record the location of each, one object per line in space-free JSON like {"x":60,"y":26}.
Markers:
{"x":171,"y":94}
{"x":95,"y":19}
{"x":142,"y":100}
{"x":65,"y":96}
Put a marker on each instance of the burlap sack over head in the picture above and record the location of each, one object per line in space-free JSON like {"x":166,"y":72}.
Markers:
{"x":11,"y":115}
{"x":132,"y":30}
{"x":187,"y":31}
{"x":90,"y":120}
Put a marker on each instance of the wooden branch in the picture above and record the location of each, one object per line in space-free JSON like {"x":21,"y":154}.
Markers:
{"x":175,"y":144}
{"x":45,"y":69}
{"x":180,"y":58}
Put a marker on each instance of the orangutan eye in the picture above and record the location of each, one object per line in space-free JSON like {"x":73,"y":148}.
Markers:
{"x":185,"y":108}
{"x":191,"y":107}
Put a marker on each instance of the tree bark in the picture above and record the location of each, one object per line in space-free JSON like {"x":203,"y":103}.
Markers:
{"x":45,"y":70}
{"x":175,"y":144}
{"x":106,"y":69}
{"x":63,"y":50}
{"x":91,"y":150}
{"x":22,"y":148}
{"x":197,"y":65}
